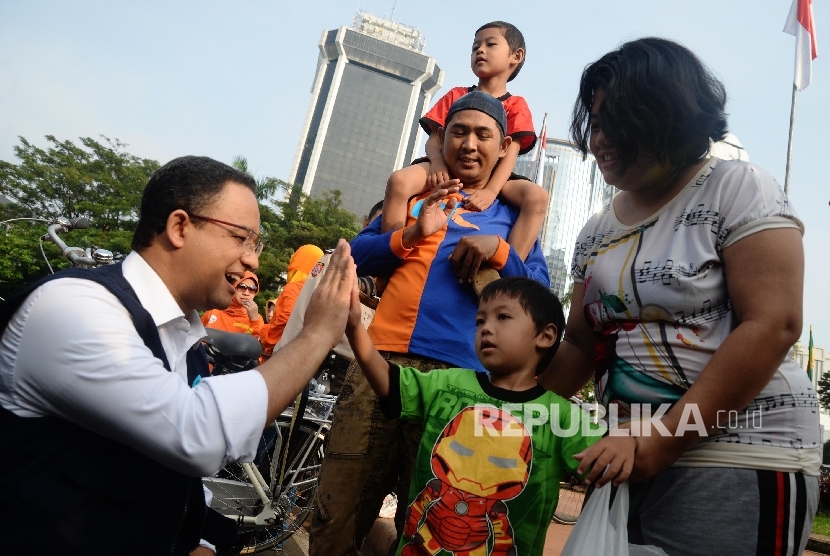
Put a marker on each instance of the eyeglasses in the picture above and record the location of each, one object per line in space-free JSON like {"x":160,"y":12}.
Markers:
{"x":251,"y":241}
{"x":245,"y":287}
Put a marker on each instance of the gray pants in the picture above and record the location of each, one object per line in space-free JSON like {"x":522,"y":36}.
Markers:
{"x":710,"y":511}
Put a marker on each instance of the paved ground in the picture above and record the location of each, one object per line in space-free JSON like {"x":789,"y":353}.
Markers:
{"x":298,"y":544}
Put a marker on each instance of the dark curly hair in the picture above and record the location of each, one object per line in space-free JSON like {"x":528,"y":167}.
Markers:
{"x":189,"y":183}
{"x":515,"y":40}
{"x":658,"y":96}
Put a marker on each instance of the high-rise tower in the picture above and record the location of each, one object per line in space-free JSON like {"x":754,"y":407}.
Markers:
{"x":372,"y":85}
{"x":576,"y":190}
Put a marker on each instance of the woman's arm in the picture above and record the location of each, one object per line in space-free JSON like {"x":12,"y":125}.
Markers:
{"x":765,"y":278}
{"x":573,"y":365}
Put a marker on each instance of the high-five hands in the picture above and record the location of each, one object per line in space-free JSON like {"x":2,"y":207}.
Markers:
{"x":328,"y":309}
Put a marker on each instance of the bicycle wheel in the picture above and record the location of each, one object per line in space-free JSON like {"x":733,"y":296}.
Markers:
{"x":571,"y":499}
{"x":235,"y":495}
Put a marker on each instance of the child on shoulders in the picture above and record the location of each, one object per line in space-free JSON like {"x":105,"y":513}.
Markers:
{"x":497,"y":56}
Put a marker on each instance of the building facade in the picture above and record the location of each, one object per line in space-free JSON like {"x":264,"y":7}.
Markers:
{"x":373,"y":83}
{"x":577,"y":190}
{"x":821,"y":365}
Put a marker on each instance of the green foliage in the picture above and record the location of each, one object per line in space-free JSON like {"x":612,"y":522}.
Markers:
{"x":587,"y":393}
{"x":292,"y":222}
{"x":824,"y":390}
{"x":97,"y":180}
{"x":568,"y":297}
{"x":296,"y":221}
{"x":104,"y":183}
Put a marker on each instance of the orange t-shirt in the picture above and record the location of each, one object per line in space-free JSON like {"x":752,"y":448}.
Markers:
{"x":272,"y":332}
{"x":233,"y":319}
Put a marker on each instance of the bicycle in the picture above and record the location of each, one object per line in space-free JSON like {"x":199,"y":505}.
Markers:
{"x":271,"y":497}
{"x":79,"y":257}
{"x":572,"y":495}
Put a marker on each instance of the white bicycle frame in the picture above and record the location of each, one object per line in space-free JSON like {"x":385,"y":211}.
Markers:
{"x":233,"y":498}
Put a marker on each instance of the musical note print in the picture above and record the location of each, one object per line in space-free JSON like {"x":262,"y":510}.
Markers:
{"x":707,"y":313}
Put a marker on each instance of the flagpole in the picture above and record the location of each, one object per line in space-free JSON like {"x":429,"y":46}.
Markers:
{"x":790,"y":143}
{"x":541,"y":152}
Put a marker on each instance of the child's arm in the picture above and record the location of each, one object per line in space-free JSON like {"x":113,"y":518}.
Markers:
{"x":374,"y":366}
{"x":438,"y":171}
{"x":614,"y":452}
{"x":483,"y":198}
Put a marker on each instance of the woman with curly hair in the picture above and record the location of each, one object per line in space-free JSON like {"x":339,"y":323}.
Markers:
{"x":687,"y":298}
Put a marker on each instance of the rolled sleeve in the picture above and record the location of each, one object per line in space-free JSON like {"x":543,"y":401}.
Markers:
{"x":500,"y":257}
{"x":396,"y":244}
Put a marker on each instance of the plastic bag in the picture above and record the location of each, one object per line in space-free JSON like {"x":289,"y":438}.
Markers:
{"x":600,"y":530}
{"x":603,"y":531}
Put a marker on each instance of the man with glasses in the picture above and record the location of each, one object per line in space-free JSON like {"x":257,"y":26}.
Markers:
{"x":105,"y":441}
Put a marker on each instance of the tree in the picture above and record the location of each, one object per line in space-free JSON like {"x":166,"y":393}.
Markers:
{"x":823,"y":387}
{"x":568,"y":297}
{"x":294,"y":220}
{"x":100,"y":181}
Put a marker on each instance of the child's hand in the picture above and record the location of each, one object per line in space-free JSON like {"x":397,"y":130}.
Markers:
{"x":614,"y":452}
{"x":479,"y":200}
{"x":436,"y":178}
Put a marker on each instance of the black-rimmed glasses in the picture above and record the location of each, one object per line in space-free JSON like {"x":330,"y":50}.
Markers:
{"x":251,"y":241}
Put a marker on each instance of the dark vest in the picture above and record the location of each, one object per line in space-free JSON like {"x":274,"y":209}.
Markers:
{"x":66,"y":490}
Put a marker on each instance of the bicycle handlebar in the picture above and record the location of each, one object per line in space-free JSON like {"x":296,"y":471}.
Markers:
{"x":74,"y":254}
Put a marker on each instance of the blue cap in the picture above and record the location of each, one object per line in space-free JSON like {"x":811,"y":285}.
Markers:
{"x":477,"y":100}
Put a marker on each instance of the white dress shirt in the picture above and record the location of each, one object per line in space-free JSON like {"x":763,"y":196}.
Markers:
{"x":71,"y":351}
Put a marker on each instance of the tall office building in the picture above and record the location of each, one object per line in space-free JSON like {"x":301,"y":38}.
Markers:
{"x":373,"y":83}
{"x":577,"y":191}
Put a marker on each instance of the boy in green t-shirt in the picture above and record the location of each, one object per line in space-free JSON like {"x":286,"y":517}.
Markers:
{"x":494,"y":446}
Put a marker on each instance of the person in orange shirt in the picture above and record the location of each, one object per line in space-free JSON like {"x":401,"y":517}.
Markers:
{"x":300,"y":266}
{"x":242,"y":315}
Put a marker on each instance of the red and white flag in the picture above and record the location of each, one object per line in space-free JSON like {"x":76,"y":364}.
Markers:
{"x":539,"y":153}
{"x":800,"y":24}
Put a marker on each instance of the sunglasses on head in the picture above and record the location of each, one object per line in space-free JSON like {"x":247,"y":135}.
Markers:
{"x":246,"y":287}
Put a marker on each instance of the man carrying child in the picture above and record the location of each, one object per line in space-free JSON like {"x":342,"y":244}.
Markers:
{"x":425,"y":320}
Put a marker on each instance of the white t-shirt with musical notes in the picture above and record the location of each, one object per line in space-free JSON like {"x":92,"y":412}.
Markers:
{"x":655,"y":294}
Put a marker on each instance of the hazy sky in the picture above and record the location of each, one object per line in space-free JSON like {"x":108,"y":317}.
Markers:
{"x":221,"y":78}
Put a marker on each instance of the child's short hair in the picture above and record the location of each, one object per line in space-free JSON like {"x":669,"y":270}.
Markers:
{"x":537,"y":300}
{"x":515,"y":40}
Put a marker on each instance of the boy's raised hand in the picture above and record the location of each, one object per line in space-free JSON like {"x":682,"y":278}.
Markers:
{"x":614,"y":452}
{"x":479,"y":200}
{"x":330,"y":304}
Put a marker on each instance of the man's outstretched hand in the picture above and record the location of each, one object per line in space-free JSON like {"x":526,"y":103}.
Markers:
{"x":328,"y":309}
{"x":433,"y":216}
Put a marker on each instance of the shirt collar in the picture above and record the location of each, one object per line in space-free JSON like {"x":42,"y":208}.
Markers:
{"x":154,"y":295}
